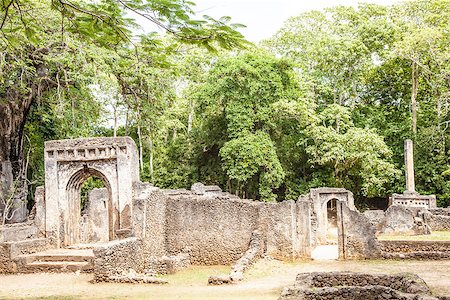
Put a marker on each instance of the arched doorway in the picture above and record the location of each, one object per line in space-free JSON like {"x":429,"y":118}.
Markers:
{"x":85,"y":212}
{"x":328,"y":247}
{"x":332,"y":230}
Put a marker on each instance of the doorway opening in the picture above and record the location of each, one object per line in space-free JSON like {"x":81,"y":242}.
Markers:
{"x":90,"y":208}
{"x":329,"y":249}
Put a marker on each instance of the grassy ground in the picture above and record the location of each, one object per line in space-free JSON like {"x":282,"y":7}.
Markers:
{"x":434,"y":236}
{"x":263,"y":281}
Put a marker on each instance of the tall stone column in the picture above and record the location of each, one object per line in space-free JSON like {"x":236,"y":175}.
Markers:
{"x":409,"y":167}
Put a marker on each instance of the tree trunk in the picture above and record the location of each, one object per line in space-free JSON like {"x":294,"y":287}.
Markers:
{"x":191,"y":116}
{"x":414,"y":88}
{"x":13,"y":115}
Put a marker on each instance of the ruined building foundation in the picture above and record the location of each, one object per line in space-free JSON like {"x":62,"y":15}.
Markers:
{"x":133,"y":225}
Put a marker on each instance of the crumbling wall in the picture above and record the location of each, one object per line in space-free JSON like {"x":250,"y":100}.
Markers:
{"x":94,"y":226}
{"x":438,"y":218}
{"x":39,"y":206}
{"x":117,"y":258}
{"x":149,"y":218}
{"x":254,"y":252}
{"x":400,"y":219}
{"x":356,"y":238}
{"x":214,"y":230}
{"x":279,"y":222}
{"x":374,"y":216}
{"x":349,"y":285}
{"x":426,"y":250}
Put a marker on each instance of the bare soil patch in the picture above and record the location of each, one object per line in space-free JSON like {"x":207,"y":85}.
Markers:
{"x":263,"y":281}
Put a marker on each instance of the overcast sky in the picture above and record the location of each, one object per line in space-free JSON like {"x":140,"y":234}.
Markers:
{"x":264,"y":17}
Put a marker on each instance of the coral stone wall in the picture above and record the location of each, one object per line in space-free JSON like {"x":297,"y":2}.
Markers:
{"x":213,"y":230}
{"x":357,"y":238}
{"x":117,"y":257}
{"x":149,"y":218}
{"x":348,"y":285}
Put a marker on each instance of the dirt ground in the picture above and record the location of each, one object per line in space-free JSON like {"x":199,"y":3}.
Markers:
{"x":264,"y":280}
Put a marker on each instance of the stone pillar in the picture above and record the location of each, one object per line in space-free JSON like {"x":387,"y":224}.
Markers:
{"x":304,"y":227}
{"x":409,"y":167}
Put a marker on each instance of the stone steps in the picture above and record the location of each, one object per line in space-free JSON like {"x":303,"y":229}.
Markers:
{"x":56,"y":267}
{"x":57,"y":260}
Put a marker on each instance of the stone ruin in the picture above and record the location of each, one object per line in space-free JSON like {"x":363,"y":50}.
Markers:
{"x":350,"y":286}
{"x":410,"y":198}
{"x":132,"y":225}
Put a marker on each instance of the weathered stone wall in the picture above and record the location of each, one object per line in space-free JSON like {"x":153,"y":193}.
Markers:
{"x":94,"y":226}
{"x":214,"y":230}
{"x":409,"y":220}
{"x":348,"y":285}
{"x":438,"y":219}
{"x":118,"y":257}
{"x":149,"y":219}
{"x":279,"y":221}
{"x":374,"y":216}
{"x":356,"y":238}
{"x":167,"y":264}
{"x":406,"y":220}
{"x":39,"y":204}
{"x":17,"y":232}
{"x":427,"y":250}
{"x":6,"y":264}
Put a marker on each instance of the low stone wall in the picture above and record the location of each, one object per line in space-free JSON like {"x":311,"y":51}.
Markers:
{"x":413,"y":246}
{"x":17,"y":232}
{"x":437,"y":221}
{"x":116,"y":258}
{"x":167,"y":264}
{"x":9,"y":251}
{"x":409,"y":220}
{"x":399,"y":219}
{"x":423,"y":250}
{"x":254,"y":252}
{"x":348,"y":285}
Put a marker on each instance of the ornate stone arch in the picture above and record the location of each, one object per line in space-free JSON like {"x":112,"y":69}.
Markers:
{"x":69,"y":162}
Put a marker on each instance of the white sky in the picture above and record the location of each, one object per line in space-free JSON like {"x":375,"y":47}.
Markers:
{"x":264,"y":17}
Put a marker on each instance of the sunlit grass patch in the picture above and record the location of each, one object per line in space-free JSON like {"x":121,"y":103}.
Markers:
{"x":196,"y":274}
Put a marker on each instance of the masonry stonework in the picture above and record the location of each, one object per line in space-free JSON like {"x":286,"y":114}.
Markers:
{"x":170,"y":229}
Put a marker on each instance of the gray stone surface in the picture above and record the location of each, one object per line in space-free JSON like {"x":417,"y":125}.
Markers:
{"x":118,"y":257}
{"x":400,"y":219}
{"x":374,"y":216}
{"x":348,"y":285}
{"x":418,"y":250}
{"x":94,"y":227}
{"x":254,"y":252}
{"x":167,"y":264}
{"x":39,"y":204}
{"x":68,"y":163}
{"x":214,"y":230}
{"x":356,"y":238}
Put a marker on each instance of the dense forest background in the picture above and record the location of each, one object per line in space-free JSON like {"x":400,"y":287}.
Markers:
{"x":327,"y":101}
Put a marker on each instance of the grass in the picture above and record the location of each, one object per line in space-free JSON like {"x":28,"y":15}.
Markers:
{"x":196,"y":274}
{"x":434,"y":236}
